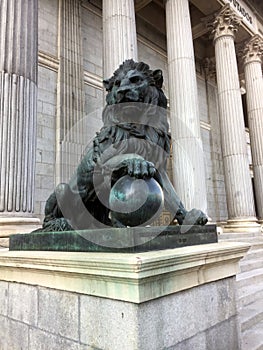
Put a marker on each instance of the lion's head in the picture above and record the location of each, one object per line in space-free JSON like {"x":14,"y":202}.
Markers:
{"x":135,"y":82}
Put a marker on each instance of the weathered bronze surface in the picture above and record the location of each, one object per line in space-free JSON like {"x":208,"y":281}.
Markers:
{"x":124,"y":240}
{"x":135,"y":202}
{"x":134,"y":141}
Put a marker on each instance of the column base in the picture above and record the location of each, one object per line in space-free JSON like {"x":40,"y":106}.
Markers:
{"x":242,"y":225}
{"x":261,"y":224}
{"x":11,"y":225}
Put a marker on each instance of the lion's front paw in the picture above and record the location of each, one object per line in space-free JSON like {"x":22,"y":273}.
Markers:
{"x":138,"y":168}
{"x":195,"y":217}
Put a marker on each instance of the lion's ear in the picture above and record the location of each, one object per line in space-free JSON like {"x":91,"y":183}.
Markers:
{"x":106,"y":84}
{"x":158,"y":78}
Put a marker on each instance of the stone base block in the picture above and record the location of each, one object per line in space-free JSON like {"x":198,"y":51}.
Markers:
{"x":4,"y":243}
{"x":180,"y":299}
{"x":242,"y":225}
{"x":11,"y":225}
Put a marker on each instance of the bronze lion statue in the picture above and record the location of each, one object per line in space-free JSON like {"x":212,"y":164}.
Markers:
{"x":134,"y":141}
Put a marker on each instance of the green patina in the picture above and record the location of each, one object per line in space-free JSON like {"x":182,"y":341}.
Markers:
{"x":123,"y":240}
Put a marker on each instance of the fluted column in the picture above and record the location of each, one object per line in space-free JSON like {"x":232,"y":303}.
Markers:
{"x":70,"y":97}
{"x":240,"y":201}
{"x":119,"y":34}
{"x":254,"y":87}
{"x":18,"y":99}
{"x":188,"y":158}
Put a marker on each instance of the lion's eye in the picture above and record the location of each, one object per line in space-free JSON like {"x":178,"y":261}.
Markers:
{"x":135,"y":79}
{"x":117,"y":83}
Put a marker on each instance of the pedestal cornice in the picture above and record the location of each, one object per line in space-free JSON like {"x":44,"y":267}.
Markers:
{"x":134,"y":278}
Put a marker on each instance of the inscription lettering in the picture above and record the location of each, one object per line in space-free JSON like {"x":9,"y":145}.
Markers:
{"x":241,"y":9}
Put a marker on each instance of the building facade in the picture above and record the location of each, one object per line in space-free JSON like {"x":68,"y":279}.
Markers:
{"x":54,"y":57}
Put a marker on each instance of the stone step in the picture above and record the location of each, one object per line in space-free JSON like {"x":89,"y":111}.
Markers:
{"x":250,"y":315}
{"x":253,"y":277}
{"x":252,"y":339}
{"x":249,"y":294}
{"x":241,"y":236}
{"x":256,"y":243}
{"x":254,"y":253}
{"x":251,"y":264}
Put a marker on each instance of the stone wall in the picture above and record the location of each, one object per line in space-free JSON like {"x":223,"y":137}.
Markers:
{"x":34,"y":317}
{"x":47,"y":103}
{"x":92,"y":40}
{"x":46,"y":135}
{"x":48,"y":26}
{"x":210,"y":132}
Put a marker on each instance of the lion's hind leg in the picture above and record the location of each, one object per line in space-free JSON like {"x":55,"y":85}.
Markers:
{"x":54,"y":219}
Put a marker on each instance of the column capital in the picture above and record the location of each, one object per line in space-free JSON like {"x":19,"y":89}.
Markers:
{"x":223,"y":23}
{"x":253,"y":50}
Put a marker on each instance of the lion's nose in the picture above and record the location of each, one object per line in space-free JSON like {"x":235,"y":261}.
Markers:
{"x":121,"y":92}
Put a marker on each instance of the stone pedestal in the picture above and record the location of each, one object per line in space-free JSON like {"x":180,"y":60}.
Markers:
{"x":18,"y":100}
{"x":119,"y":34}
{"x":240,"y":201}
{"x":188,"y":167}
{"x":178,"y":298}
{"x":254,"y":88}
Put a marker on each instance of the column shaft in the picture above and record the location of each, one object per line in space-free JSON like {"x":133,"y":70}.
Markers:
{"x":254,"y":89}
{"x":70,"y":97}
{"x":119,"y":34}
{"x":240,"y":201}
{"x":188,"y":169}
{"x":18,"y":99}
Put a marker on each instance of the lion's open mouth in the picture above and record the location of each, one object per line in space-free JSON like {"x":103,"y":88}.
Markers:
{"x":130,"y":96}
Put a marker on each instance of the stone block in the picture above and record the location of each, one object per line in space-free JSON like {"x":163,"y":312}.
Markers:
{"x":181,"y":316}
{"x":45,"y":168}
{"x":220,"y":337}
{"x":45,"y":120}
{"x":37,"y":210}
{"x":47,"y":182}
{"x":41,"y":194}
{"x":43,"y":144}
{"x":49,"y":135}
{"x":23,"y":295}
{"x":48,"y":14}
{"x":224,"y":335}
{"x":4,"y":297}
{"x":39,"y":131}
{"x":105,"y":321}
{"x":38,"y":157}
{"x":42,"y":206}
{"x":38,"y":181}
{"x":87,"y":347}
{"x":48,"y":157}
{"x":58,"y":313}
{"x":40,"y":340}
{"x":197,"y":342}
{"x":13,"y":335}
{"x":4,"y":243}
